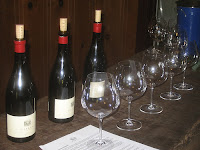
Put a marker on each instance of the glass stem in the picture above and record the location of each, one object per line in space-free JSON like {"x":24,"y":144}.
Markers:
{"x":129,"y":122}
{"x":184,"y":77}
{"x":129,"y":110}
{"x":154,"y":44}
{"x":171,"y":79}
{"x":151,"y":99}
{"x":100,"y":142}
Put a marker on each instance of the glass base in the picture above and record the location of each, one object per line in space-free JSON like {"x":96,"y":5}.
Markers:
{"x":170,"y":96}
{"x":96,"y":144}
{"x":181,"y":86}
{"x":151,"y":109}
{"x":129,"y":125}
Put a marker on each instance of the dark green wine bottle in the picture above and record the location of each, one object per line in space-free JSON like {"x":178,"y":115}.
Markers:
{"x":20,"y":95}
{"x":61,"y":97}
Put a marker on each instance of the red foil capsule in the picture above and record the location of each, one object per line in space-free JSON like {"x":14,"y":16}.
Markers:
{"x":20,"y":46}
{"x":97,"y":27}
{"x":63,"y":40}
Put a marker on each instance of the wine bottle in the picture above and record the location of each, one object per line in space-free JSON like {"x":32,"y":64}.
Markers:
{"x":95,"y":60}
{"x":20,"y":95}
{"x":61,"y":98}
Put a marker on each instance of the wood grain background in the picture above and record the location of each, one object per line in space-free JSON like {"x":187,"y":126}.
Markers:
{"x":124,"y":28}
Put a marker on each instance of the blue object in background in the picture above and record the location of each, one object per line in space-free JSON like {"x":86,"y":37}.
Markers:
{"x":189,"y":20}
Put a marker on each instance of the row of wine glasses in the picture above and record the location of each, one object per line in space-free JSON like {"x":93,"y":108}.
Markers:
{"x":102,"y":91}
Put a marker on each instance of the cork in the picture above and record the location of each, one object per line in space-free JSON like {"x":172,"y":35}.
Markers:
{"x":98,"y":16}
{"x":63,"y":24}
{"x":19,"y":31}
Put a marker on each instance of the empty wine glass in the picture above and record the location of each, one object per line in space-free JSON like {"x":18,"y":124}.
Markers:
{"x":155,"y":74}
{"x":100,"y":98}
{"x":157,"y":26}
{"x":174,"y":61}
{"x":132,"y":85}
{"x":191,"y":58}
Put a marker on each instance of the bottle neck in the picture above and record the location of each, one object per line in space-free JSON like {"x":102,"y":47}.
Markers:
{"x":63,"y":55}
{"x":96,"y":32}
{"x":96,"y":38}
{"x":20,"y":58}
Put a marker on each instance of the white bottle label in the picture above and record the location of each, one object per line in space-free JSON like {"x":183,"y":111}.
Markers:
{"x":21,"y":126}
{"x":97,"y":89}
{"x":64,"y":108}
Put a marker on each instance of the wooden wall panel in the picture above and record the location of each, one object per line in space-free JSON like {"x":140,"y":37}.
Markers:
{"x":120,"y":29}
{"x":113,"y":29}
{"x":146,"y":9}
{"x":6,"y":47}
{"x":81,"y":34}
{"x":34,"y":22}
{"x":41,"y":19}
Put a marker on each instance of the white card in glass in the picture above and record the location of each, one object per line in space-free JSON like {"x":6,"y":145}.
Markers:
{"x":97,"y":89}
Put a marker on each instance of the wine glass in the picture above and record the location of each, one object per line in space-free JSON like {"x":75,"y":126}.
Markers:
{"x":155,"y":74}
{"x":174,"y":60}
{"x":131,"y":85}
{"x":191,"y":58}
{"x":157,"y":26}
{"x":100,"y":98}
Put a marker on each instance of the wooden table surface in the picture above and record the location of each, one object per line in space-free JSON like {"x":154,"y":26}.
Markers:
{"x":176,"y":128}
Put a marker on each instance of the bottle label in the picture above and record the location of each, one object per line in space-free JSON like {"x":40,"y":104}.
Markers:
{"x":20,"y":46}
{"x":21,"y":126}
{"x":97,"y":27}
{"x":97,"y":89}
{"x":64,"y":108}
{"x":63,"y":40}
